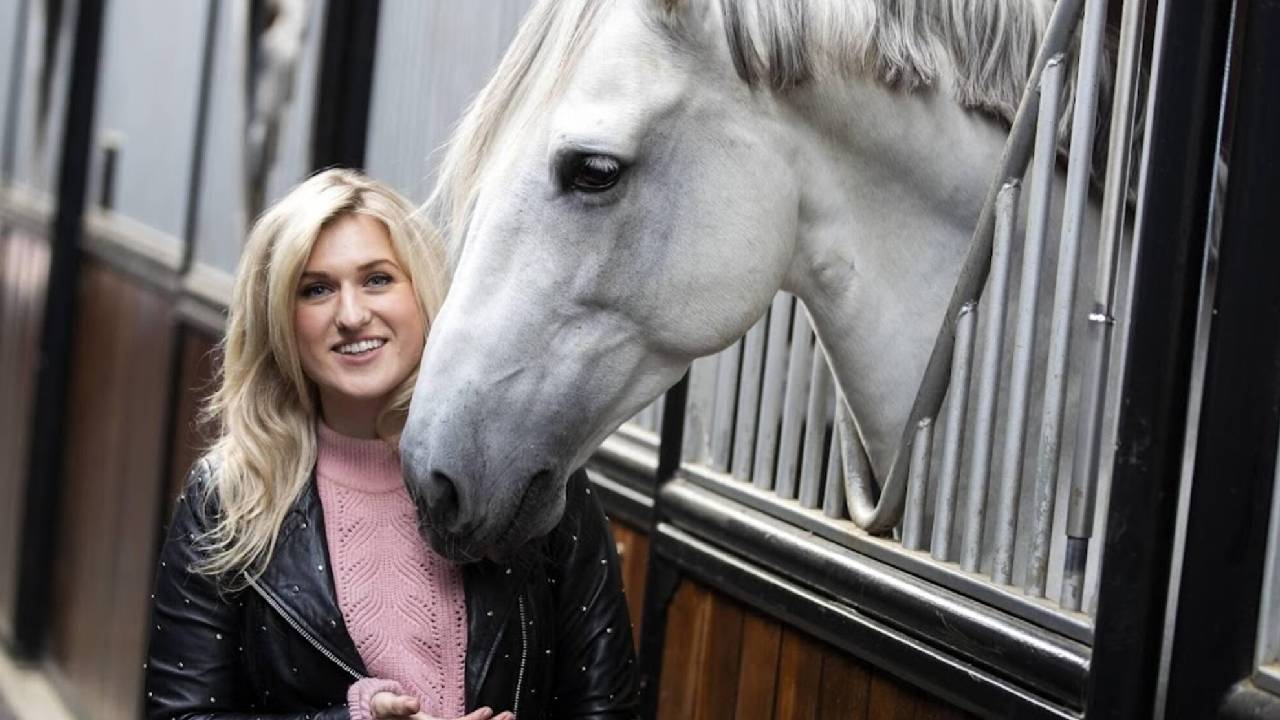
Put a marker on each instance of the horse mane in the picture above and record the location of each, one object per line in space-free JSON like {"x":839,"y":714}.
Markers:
{"x":779,"y":44}
{"x":991,"y":46}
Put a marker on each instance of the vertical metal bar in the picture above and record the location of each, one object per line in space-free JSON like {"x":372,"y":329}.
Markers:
{"x":771,"y":390}
{"x":815,"y":429}
{"x":726,"y":393}
{"x":797,"y":398}
{"x":659,"y":412}
{"x":1084,"y":467}
{"x":744,"y":433}
{"x":1177,"y":176}
{"x":833,"y":493}
{"x":698,"y":410}
{"x":1042,"y":171}
{"x":917,"y":487}
{"x":996,"y":297}
{"x":949,"y":477}
{"x":1055,"y":390}
{"x":49,"y":420}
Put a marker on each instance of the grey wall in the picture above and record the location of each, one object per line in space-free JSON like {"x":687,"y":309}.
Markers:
{"x":10,"y":61}
{"x":39,"y":138}
{"x":432,"y":57}
{"x":148,"y":98}
{"x":221,"y":222}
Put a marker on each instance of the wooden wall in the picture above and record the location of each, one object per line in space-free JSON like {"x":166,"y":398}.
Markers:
{"x":722,"y":659}
{"x":118,"y":409}
{"x":24,"y":269}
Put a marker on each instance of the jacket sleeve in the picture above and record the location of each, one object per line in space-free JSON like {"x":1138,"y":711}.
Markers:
{"x":596,"y":673}
{"x":193,"y":669}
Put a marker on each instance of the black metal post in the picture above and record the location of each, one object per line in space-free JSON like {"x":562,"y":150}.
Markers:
{"x":1227,"y":523}
{"x":1172,"y":235}
{"x":346,"y":83}
{"x":48,"y":428}
{"x":662,"y":576}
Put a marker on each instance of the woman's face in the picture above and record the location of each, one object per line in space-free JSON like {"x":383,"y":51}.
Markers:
{"x":356,"y":319}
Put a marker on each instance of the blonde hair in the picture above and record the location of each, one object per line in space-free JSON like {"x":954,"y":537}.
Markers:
{"x":265,"y":407}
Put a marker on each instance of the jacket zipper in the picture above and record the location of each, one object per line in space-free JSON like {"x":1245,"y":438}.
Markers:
{"x":310,"y":638}
{"x":524,"y":654}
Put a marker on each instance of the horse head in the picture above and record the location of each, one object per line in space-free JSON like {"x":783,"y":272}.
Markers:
{"x":640,"y":178}
{"x":629,"y":192}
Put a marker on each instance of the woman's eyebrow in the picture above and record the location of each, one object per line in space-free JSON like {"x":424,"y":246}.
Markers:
{"x":321,"y":274}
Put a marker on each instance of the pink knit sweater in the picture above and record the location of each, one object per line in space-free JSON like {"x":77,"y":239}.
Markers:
{"x":403,"y":604}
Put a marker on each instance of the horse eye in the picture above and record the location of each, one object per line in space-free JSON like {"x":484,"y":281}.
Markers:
{"x":592,"y":173}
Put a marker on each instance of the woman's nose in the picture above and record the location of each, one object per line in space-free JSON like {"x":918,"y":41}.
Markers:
{"x":352,"y":312}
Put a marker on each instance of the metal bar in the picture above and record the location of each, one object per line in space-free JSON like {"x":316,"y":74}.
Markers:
{"x":797,"y":398}
{"x":918,"y":487}
{"x":1178,"y":172}
{"x":744,"y":433}
{"x":1055,"y":391}
{"x":45,"y":459}
{"x":1098,"y":332}
{"x":726,"y":393}
{"x":949,"y":477}
{"x":984,"y":425}
{"x":700,"y":406}
{"x":771,"y":390}
{"x":1024,"y":340}
{"x":815,"y":429}
{"x":1228,"y":521}
{"x":1004,"y":598}
{"x":833,"y":495}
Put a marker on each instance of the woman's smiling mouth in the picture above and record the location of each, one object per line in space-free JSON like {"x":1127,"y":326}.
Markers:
{"x":360,"y":347}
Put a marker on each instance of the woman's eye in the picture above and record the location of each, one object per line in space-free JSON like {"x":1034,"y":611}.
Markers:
{"x":379,"y":280}
{"x":591,"y":173}
{"x":313,"y":290}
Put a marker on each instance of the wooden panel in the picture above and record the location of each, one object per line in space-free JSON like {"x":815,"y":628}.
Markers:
{"x":703,"y":649}
{"x":845,"y":689}
{"x":758,"y":668}
{"x":24,"y":271}
{"x":799,"y":677}
{"x":724,"y":660}
{"x":633,"y":551}
{"x":109,"y":505}
{"x":197,"y":372}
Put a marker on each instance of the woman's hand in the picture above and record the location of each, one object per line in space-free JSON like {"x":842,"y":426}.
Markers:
{"x":389,"y":706}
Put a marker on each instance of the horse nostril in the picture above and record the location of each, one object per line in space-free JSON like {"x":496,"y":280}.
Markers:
{"x":442,"y":500}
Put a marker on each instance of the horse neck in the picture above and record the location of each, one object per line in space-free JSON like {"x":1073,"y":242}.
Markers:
{"x":884,"y":227}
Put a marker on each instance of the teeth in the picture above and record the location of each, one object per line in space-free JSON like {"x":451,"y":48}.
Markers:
{"x":356,"y":348}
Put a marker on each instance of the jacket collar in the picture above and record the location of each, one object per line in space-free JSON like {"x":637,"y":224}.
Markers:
{"x":300,"y":578}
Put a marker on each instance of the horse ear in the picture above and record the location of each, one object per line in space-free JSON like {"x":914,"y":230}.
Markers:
{"x":686,"y":19}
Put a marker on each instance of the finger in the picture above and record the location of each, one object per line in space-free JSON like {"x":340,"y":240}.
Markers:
{"x":505,"y":715}
{"x":483,"y":713}
{"x":385,"y":705}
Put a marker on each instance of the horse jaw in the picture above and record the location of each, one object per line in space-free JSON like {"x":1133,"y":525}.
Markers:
{"x":882,"y":237}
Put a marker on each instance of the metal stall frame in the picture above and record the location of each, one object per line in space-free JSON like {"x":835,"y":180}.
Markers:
{"x":806,"y":580}
{"x":49,"y":421}
{"x":1219,"y":600}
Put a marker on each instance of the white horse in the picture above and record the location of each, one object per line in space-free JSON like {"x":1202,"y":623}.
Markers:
{"x":638,"y":180}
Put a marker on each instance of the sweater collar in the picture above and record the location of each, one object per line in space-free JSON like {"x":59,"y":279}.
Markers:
{"x":356,"y":463}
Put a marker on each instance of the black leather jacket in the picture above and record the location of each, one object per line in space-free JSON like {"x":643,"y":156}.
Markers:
{"x":548,"y":635}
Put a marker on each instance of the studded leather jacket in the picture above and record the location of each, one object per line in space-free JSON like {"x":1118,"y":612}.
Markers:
{"x":548,"y":635}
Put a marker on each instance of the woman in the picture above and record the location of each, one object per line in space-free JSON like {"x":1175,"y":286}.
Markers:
{"x":294,"y":583}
